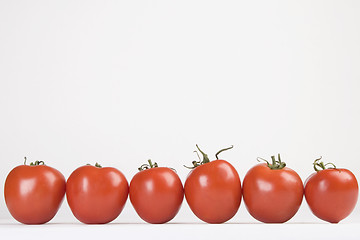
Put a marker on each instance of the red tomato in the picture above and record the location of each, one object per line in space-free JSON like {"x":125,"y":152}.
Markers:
{"x":213,"y":190}
{"x":33,"y":194}
{"x":156,"y":193}
{"x":331,"y":193}
{"x":272,"y":192}
{"x":96,"y":195}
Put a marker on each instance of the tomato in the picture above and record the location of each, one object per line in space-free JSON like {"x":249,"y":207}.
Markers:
{"x":331,"y":193}
{"x":156,"y":193}
{"x":33,"y":194}
{"x":213,"y":189}
{"x":272,"y":192}
{"x":95,"y":194}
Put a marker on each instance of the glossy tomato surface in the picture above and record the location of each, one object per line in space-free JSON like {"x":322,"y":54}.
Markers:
{"x":156,"y":194}
{"x":213,"y":191}
{"x":272,"y":195}
{"x":331,"y":194}
{"x":96,"y":195}
{"x":33,"y":194}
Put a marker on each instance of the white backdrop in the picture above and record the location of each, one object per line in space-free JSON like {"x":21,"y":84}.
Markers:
{"x":118,"y":82}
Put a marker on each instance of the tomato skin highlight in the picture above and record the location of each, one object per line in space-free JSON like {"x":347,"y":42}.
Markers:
{"x":33,"y":194}
{"x":96,"y":195}
{"x":331,"y":194}
{"x":156,"y":194}
{"x":272,"y":196}
{"x":213,"y":191}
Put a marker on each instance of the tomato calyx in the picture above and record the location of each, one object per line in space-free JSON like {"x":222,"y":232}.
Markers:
{"x":275,"y":165}
{"x":148,"y":166}
{"x":205,"y":157}
{"x":317,"y":164}
{"x":96,"y":165}
{"x":36,"y":163}
{"x":151,"y":165}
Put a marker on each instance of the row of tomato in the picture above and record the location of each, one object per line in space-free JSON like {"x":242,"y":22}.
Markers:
{"x":271,"y":191}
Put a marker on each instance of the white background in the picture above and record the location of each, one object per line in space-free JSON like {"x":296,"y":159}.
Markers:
{"x":118,"y":82}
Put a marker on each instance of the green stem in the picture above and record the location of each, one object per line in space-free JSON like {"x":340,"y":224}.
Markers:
{"x":205,"y":157}
{"x":273,"y":160}
{"x":259,"y":159}
{"x":194,"y":163}
{"x":317,"y":164}
{"x":36,"y":163}
{"x":197,"y":155}
{"x":275,"y":165}
{"x":216,"y":155}
{"x":330,"y":164}
{"x":148,"y":166}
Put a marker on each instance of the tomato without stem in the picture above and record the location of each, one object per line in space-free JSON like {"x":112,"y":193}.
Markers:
{"x":156,"y":193}
{"x":331,"y":193}
{"x":33,"y":194}
{"x":213,"y":190}
{"x":272,"y":192}
{"x":96,"y":195}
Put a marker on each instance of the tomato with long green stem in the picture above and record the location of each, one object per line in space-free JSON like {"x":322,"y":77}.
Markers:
{"x":33,"y":194}
{"x":96,"y":194}
{"x":213,"y":189}
{"x":331,"y":193}
{"x":156,"y":193}
{"x":272,"y":192}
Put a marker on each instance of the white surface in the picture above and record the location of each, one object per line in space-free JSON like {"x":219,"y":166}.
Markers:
{"x":186,"y":226}
{"x":183,"y":231}
{"x":118,"y":82}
